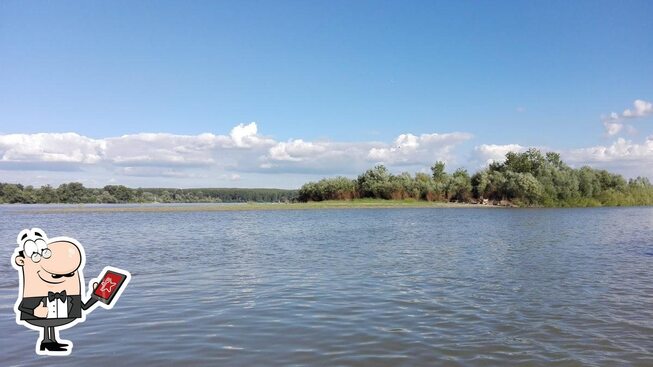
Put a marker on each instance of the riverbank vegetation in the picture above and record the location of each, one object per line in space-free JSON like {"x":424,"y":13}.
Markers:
{"x":261,"y":206}
{"x":523,"y":179}
{"x":76,"y":193}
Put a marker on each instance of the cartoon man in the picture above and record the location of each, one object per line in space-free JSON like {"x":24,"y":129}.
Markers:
{"x":51,"y":287}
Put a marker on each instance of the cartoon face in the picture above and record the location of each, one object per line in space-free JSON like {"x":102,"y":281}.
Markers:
{"x":51,"y":283}
{"x":48,"y":266}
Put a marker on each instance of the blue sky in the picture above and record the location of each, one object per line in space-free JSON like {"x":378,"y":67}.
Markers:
{"x":334,"y":74}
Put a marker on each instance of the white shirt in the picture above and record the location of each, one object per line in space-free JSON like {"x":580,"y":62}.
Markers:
{"x":57,"y":309}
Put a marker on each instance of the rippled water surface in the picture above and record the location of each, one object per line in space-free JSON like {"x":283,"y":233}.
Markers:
{"x":369,"y":287}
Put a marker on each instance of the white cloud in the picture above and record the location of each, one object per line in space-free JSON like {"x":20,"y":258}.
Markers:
{"x":296,"y":150}
{"x":488,"y":153}
{"x":246,"y":136}
{"x":612,"y":127}
{"x":50,"y":148}
{"x":144,"y":149}
{"x":641,"y":108}
{"x":248,"y":157}
{"x":162,"y":149}
{"x":409,"y":149}
{"x":614,"y":124}
{"x":332,"y":157}
{"x":211,"y":156}
{"x":325,"y":157}
{"x":621,"y":156}
{"x":619,"y":151}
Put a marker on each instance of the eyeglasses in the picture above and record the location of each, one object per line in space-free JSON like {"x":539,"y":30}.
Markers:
{"x":45,"y":254}
{"x":37,"y":249}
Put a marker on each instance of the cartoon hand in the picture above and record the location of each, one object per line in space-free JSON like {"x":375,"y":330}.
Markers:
{"x":41,"y":311}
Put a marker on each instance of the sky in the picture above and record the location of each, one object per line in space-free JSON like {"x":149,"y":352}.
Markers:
{"x":278,"y":93}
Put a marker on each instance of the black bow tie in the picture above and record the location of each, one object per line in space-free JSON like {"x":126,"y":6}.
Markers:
{"x":61,"y":295}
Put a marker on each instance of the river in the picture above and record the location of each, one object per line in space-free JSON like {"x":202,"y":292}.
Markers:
{"x":354,"y":287}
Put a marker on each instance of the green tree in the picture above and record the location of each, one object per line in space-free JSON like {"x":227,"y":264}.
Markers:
{"x":106,"y":198}
{"x":46,"y":194}
{"x":72,"y":193}
{"x":374,"y":183}
{"x":460,"y":185}
{"x":12,"y":193}
{"x":588,"y":183}
{"x":121,"y":193}
{"x":439,"y":173}
{"x":480,"y":182}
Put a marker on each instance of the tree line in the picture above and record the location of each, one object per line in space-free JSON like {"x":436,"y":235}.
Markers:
{"x":76,"y":193}
{"x":523,"y":179}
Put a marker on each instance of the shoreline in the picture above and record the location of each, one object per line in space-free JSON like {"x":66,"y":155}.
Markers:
{"x":264,"y":206}
{"x":212,"y":207}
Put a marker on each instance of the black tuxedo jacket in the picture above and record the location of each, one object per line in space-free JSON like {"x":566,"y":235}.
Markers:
{"x":75,"y":307}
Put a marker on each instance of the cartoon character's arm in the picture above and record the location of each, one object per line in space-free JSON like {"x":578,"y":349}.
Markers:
{"x":22,"y":307}
{"x":91,"y":301}
{"x":86,"y":305}
{"x":28,"y":306}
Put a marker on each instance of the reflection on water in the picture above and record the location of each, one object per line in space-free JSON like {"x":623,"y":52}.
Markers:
{"x":382,"y":287}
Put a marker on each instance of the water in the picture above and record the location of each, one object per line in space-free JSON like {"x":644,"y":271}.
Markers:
{"x":369,"y":287}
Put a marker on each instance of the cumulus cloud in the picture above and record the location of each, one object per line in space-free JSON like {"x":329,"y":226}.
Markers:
{"x":297,"y":155}
{"x":50,"y":148}
{"x":295,"y":150}
{"x":144,"y":149}
{"x":243,"y":150}
{"x":619,"y":151}
{"x":248,"y":157}
{"x":488,"y":153}
{"x":612,"y":127}
{"x":622,"y":156}
{"x":246,"y":136}
{"x":641,"y":108}
{"x":149,"y":149}
{"x":409,"y":149}
{"x":320,"y":157}
{"x":614,"y":122}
